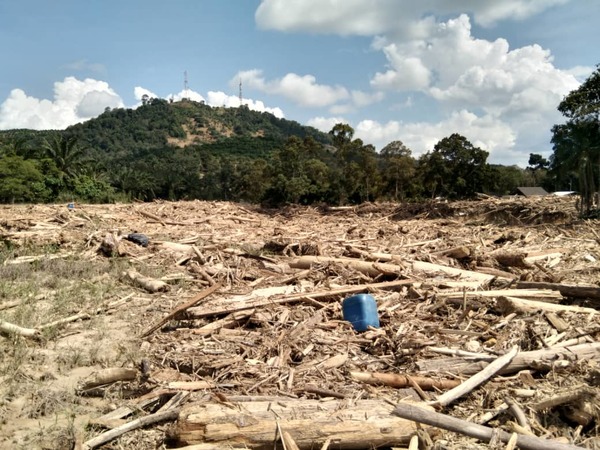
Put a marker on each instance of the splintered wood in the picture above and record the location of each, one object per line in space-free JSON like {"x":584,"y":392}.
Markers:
{"x":487,"y":309}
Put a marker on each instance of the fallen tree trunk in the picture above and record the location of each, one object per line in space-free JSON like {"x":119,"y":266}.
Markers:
{"x":374,"y":269}
{"x":537,"y":359}
{"x":508,"y":304}
{"x":254,"y":425}
{"x":402,"y":381}
{"x":568,"y":290}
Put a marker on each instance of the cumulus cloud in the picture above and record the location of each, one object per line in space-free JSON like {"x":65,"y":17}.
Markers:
{"x":74,"y":101}
{"x":372,"y":17}
{"x":486,"y":132}
{"x":500,"y":98}
{"x":300,"y":89}
{"x":325,"y":124}
{"x":231,"y":101}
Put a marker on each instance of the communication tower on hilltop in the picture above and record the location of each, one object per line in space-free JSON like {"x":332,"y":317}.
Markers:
{"x":186,"y":86}
{"x":241,"y":98}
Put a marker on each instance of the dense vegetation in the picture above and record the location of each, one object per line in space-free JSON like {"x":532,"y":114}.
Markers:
{"x":188,"y":150}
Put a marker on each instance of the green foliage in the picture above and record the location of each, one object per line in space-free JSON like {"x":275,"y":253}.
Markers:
{"x":455,"y":168}
{"x":576,"y":143}
{"x":21,"y":180}
{"x":398,"y":170}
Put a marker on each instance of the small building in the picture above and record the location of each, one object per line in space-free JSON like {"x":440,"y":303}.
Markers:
{"x":534,"y":191}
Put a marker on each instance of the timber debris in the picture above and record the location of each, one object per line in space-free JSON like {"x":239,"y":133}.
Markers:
{"x":489,"y":322}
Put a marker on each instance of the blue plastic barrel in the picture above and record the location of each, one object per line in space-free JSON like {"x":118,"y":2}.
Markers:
{"x":361,"y":311}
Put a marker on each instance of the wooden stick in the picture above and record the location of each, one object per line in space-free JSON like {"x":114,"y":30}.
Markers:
{"x":74,"y":318}
{"x":130,"y":426}
{"x":477,"y":379}
{"x":568,"y":290}
{"x":178,"y":310}
{"x":510,"y":304}
{"x":401,"y":381}
{"x":483,"y":433}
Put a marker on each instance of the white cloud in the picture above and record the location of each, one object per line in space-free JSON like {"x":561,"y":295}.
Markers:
{"x":325,"y":124}
{"x":231,"y":101}
{"x":300,"y":89}
{"x":485,"y":132}
{"x":74,"y":101}
{"x":372,"y":17}
{"x":139,"y":92}
{"x":85,"y":65}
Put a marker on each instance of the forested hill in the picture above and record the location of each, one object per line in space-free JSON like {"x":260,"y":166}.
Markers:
{"x":188,"y":123}
{"x":188,"y":150}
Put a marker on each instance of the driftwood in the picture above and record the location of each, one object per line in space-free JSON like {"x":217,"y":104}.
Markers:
{"x":108,"y":436}
{"x":568,"y":290}
{"x":7,"y":329}
{"x":464,"y":388}
{"x":181,"y":308}
{"x":538,"y":294}
{"x":108,"y":376}
{"x":374,"y":269}
{"x":402,"y":381}
{"x":418,"y":414}
{"x":537,"y":359}
{"x":364,"y":424}
{"x":149,"y":284}
{"x":509,"y":304}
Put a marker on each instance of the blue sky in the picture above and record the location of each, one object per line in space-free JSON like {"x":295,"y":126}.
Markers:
{"x":493,"y":71}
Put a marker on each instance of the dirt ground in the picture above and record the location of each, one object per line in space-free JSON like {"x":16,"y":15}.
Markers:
{"x":273,"y":327}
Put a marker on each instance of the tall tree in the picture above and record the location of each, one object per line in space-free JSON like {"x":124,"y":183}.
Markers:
{"x":577,"y":142}
{"x":67,"y":154}
{"x":398,"y":169}
{"x":457,"y":168}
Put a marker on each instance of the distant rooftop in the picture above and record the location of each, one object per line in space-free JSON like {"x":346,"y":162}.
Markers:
{"x":535,"y":191}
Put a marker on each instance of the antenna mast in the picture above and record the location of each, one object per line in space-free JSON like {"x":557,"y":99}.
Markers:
{"x":241,"y":98}
{"x":185,"y":81}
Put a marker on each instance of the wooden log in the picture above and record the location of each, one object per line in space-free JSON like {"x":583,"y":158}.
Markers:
{"x":468,"y":275}
{"x":364,"y":424}
{"x":420,"y":415}
{"x":7,"y":329}
{"x":509,"y":304}
{"x":546,"y":294}
{"x":568,"y":290}
{"x":107,"y":376}
{"x":146,"y":283}
{"x":374,"y":269}
{"x":402,"y":381}
{"x":537,"y":359}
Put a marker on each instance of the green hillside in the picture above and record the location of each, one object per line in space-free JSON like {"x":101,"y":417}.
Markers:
{"x":189,"y":150}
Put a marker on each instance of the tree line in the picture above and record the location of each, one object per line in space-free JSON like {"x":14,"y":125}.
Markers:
{"x":254,"y":157}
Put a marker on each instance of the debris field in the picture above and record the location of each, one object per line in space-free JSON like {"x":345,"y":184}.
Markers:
{"x":489,"y":331}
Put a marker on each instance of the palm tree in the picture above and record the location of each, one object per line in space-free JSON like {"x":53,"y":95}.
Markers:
{"x":66,"y":153}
